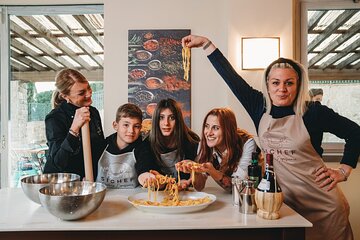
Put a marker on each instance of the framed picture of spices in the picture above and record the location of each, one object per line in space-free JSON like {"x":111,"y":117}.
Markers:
{"x":156,"y":71}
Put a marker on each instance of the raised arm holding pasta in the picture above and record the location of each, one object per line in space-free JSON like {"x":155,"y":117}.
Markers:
{"x":291,"y":127}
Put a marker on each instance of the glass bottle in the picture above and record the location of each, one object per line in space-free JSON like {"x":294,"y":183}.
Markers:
{"x":254,"y":169}
{"x":268,"y":183}
{"x":268,"y":195}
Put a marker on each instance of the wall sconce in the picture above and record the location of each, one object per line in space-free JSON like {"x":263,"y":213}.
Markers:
{"x":257,"y":52}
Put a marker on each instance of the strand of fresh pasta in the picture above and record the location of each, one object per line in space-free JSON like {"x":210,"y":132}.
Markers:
{"x":186,"y":54}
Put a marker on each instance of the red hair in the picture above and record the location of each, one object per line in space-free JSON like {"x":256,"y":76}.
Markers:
{"x":233,"y":140}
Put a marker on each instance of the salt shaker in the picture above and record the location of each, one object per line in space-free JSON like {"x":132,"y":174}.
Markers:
{"x":236,"y":186}
{"x":247,"y":204}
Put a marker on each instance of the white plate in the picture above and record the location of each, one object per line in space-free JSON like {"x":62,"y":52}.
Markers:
{"x":172,"y":209}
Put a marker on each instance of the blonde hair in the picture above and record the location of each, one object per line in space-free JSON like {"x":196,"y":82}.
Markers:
{"x":64,"y":80}
{"x":302,"y":95}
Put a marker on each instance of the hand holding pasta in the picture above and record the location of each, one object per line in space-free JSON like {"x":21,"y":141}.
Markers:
{"x":187,"y":166}
{"x":171,"y":193}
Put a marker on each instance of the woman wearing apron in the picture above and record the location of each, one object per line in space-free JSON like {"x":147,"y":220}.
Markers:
{"x":225,"y":150}
{"x":169,"y":142}
{"x":116,"y":167}
{"x":291,"y":128}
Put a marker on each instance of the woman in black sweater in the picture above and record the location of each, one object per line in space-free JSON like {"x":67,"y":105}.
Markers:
{"x":71,"y":110}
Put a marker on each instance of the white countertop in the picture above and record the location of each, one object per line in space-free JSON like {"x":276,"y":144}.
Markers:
{"x":18,"y":213}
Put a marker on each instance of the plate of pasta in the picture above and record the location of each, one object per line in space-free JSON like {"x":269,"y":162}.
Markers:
{"x":187,"y":202}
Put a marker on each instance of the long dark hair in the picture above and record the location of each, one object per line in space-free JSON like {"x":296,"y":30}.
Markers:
{"x":233,"y":140}
{"x":182,"y":133}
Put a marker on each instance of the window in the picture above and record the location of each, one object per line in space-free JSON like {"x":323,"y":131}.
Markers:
{"x":40,"y":41}
{"x":330,"y":46}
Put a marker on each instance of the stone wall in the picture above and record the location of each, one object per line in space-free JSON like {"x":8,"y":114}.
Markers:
{"x":18,"y":113}
{"x":23,"y":132}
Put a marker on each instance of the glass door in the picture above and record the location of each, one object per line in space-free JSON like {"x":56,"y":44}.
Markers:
{"x":42,"y":41}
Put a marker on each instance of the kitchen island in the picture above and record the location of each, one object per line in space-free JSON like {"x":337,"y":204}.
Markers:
{"x":116,"y":218}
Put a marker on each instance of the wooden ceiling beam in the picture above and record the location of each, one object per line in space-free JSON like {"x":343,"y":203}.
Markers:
{"x":333,"y":74}
{"x":340,"y":20}
{"x":18,"y":66}
{"x":21,"y":33}
{"x":14,"y":43}
{"x":90,"y":29}
{"x":27,"y":61}
{"x":60,"y":24}
{"x":346,"y":63}
{"x":341,"y":54}
{"x":315,"y":19}
{"x":41,"y":30}
{"x":49,"y":76}
{"x":336,"y":43}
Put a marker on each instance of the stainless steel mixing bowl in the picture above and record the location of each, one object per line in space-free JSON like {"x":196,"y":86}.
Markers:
{"x":72,"y":200}
{"x":32,"y":184}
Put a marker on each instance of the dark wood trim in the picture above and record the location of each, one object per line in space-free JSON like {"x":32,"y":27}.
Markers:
{"x":208,"y":234}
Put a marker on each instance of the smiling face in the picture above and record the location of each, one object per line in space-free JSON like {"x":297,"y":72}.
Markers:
{"x":80,"y":94}
{"x":167,"y":122}
{"x":213,"y":132}
{"x":128,"y":131}
{"x":282,"y":86}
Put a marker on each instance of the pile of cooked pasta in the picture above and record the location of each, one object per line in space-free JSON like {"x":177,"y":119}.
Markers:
{"x":186,"y":62}
{"x":171,"y":193}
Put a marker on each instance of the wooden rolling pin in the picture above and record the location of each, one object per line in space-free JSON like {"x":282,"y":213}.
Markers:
{"x":85,"y":132}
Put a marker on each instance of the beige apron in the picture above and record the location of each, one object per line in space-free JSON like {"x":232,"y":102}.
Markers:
{"x":169,"y":160}
{"x":295,"y":162}
{"x":117,"y":171}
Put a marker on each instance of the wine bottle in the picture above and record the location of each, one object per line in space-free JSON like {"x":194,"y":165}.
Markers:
{"x":268,"y":183}
{"x":254,"y":170}
{"x":268,"y":195}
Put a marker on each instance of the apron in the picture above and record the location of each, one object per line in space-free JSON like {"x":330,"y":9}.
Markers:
{"x":117,"y":171}
{"x":295,"y":164}
{"x":169,"y":160}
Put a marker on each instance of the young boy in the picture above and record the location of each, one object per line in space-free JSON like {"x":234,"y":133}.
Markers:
{"x":116,"y":167}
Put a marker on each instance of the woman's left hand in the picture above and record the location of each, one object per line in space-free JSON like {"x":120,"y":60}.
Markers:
{"x":184,"y":184}
{"x":184,"y":166}
{"x":328,"y":177}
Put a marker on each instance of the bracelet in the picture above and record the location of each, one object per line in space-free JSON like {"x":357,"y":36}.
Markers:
{"x":343,"y":173}
{"x":207,"y":45}
{"x":72,"y":132}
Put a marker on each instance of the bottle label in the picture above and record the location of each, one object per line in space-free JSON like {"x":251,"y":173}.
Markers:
{"x":264,"y":185}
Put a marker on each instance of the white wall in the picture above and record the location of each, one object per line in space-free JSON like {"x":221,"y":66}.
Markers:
{"x":201,"y":16}
{"x":252,"y":19}
{"x":224,"y":22}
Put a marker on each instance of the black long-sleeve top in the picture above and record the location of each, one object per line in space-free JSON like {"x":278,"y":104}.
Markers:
{"x":65,"y":152}
{"x":146,"y":160}
{"x":113,"y":148}
{"x":317,"y":119}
